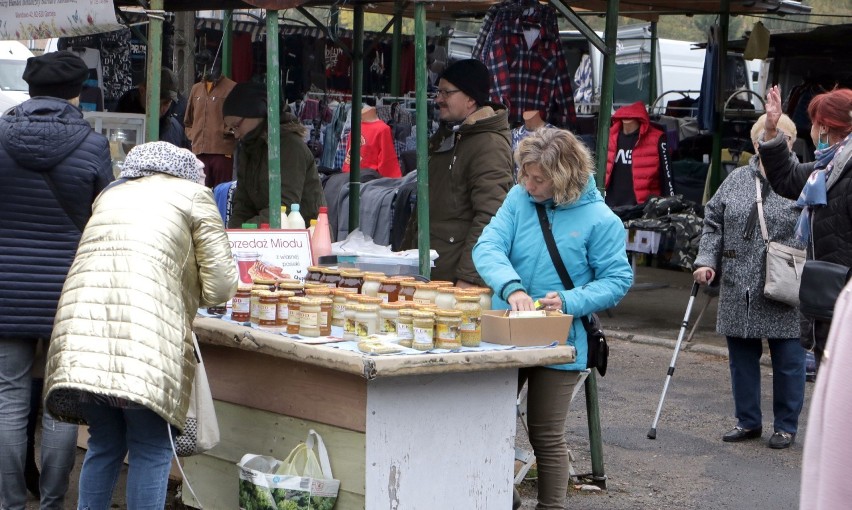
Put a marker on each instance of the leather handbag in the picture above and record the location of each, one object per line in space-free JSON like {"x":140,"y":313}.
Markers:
{"x":598,"y":350}
{"x":783,"y":264}
{"x":821,"y":284}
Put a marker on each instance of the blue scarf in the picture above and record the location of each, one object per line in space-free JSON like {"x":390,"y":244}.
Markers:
{"x":815,"y":192}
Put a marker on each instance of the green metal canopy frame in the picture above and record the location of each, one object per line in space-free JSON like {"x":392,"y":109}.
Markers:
{"x":419,"y":10}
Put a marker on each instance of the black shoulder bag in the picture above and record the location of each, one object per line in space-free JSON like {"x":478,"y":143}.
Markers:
{"x":598,"y":349}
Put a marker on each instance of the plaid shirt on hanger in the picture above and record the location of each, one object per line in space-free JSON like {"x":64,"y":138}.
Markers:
{"x":528,"y":69}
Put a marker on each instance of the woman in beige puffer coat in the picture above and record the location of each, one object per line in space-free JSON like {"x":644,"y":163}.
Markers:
{"x":121,"y":355}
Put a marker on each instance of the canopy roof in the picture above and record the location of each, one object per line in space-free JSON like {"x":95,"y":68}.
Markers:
{"x":642,"y":9}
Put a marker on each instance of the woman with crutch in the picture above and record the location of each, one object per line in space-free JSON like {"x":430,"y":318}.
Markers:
{"x":732,"y":248}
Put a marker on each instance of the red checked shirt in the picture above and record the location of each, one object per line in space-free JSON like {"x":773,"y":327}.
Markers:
{"x":519,"y":42}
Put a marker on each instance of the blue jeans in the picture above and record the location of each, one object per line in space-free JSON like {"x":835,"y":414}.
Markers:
{"x":113,"y":433}
{"x":58,"y":440}
{"x":788,"y":381}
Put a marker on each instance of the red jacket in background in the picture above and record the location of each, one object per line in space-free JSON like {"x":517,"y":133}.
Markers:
{"x":377,"y":150}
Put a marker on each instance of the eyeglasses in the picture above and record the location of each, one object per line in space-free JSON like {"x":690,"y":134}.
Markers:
{"x":236,"y":125}
{"x":446,"y":93}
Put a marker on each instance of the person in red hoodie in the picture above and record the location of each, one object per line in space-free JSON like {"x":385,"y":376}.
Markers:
{"x":637,"y":162}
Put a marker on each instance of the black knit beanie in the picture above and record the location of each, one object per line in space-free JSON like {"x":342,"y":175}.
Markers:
{"x":57,"y":74}
{"x":246,"y":100}
{"x":471,"y":77}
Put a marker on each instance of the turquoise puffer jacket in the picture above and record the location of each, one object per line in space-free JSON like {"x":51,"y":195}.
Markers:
{"x":511,"y":255}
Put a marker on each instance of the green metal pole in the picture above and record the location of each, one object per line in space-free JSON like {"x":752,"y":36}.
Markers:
{"x":396,"y":55}
{"x":607,"y":87}
{"x":420,"y":78}
{"x":718,"y":102}
{"x":154,"y":63}
{"x":355,"y":134}
{"x":652,"y":75}
{"x":227,"y":43}
{"x":273,"y":88}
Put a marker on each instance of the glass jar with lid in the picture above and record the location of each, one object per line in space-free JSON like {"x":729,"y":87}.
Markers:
{"x":241,"y":305}
{"x":445,"y":298}
{"x":367,"y":318}
{"x":267,"y":310}
{"x":338,"y":309}
{"x":294,"y":286}
{"x":351,"y":280}
{"x":471,"y":329}
{"x":484,"y":297}
{"x":254,"y":311}
{"x":314,"y":285}
{"x":389,"y":290}
{"x":314,"y":274}
{"x":317,"y":292}
{"x":349,"y":316}
{"x":407,"y":289}
{"x":264,"y":284}
{"x":372,"y":282}
{"x":388,"y":315}
{"x":283,"y":311}
{"x":425,"y":293}
{"x":447,"y":329}
{"x":423,"y":330}
{"x":293,"y":315}
{"x":404,"y":326}
{"x":309,"y":317}
{"x":325,"y":315}
{"x":330,"y":276}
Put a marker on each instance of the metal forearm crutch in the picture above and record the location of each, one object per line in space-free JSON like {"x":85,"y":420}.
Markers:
{"x":652,"y":434}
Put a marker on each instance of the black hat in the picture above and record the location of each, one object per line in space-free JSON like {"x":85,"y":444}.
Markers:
{"x":246,"y":100}
{"x":471,"y":77}
{"x":57,"y":74}
{"x":168,"y":84}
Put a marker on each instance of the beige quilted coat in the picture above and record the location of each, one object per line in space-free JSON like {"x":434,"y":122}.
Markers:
{"x":154,"y":251}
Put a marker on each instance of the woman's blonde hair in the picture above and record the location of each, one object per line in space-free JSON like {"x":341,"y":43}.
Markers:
{"x":785,"y":124}
{"x":562,"y":157}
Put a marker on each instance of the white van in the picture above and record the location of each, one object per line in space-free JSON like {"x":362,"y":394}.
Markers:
{"x":13,"y":59}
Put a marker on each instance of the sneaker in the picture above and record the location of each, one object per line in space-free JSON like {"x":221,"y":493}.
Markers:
{"x":781,"y":440}
{"x":810,"y":366}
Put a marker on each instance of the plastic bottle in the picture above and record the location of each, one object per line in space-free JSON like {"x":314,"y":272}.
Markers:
{"x":294,"y":219}
{"x":311,"y":228}
{"x":285,"y":223}
{"x":321,"y":238}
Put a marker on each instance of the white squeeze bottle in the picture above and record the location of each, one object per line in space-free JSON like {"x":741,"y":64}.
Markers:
{"x":285,"y":222}
{"x":294,"y":219}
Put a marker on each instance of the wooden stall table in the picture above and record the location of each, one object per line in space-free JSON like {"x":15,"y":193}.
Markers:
{"x":422,"y":431}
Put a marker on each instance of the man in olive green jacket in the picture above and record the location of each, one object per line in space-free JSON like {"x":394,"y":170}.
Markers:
{"x":245,"y":115}
{"x":470,"y":169}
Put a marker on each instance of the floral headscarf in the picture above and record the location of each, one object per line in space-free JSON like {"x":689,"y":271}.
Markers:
{"x":162,"y":158}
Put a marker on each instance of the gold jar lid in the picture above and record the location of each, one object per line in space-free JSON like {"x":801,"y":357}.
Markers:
{"x":407,"y":312}
{"x":423,"y":315}
{"x":330,"y":270}
{"x":309,"y":302}
{"x":291,"y":286}
{"x":324,"y":301}
{"x":321,"y":290}
{"x":265,"y":293}
{"x":316,"y":269}
{"x":375,"y":273}
{"x":369,"y":300}
{"x":285,"y":293}
{"x":401,"y":278}
{"x":449,"y":313}
{"x":374,"y":277}
{"x":315,"y":285}
{"x":393,"y":305}
{"x":441,"y":283}
{"x":410,"y":283}
{"x":256,"y":292}
{"x":466,"y":295}
{"x":264,"y":281}
{"x":351,"y":273}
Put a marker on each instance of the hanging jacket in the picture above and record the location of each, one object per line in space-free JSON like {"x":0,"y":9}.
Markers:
{"x":154,"y":251}
{"x":470,"y":172}
{"x":511,"y":255}
{"x":651,"y":166}
{"x":203,"y":120}
{"x":300,"y":182}
{"x":38,"y":237}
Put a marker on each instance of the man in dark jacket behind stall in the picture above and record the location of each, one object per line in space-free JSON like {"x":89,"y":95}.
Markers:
{"x":52,"y":166}
{"x":244,"y":112}
{"x":470,"y":170}
{"x":171,"y":129}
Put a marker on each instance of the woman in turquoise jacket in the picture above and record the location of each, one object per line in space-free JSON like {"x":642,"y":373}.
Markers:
{"x":556,"y":170}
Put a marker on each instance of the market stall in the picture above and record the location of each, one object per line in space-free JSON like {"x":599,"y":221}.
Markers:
{"x":421,"y":429}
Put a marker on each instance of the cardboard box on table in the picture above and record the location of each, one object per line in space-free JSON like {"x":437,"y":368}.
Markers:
{"x":499,"y":328}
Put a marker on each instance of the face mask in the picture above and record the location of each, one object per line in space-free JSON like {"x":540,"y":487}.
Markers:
{"x":821,"y":146}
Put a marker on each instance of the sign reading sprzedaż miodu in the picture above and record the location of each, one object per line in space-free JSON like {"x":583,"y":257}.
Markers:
{"x":270,"y":254}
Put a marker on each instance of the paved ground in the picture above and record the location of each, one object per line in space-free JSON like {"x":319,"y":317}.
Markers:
{"x":687,"y":466}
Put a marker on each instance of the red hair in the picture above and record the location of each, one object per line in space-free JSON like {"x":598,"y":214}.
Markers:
{"x":833,"y":110}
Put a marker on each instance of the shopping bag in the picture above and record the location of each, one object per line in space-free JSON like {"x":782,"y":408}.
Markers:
{"x":303,"y":481}
{"x":201,"y":431}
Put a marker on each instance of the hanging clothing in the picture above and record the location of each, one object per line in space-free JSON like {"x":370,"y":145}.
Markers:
{"x":584,"y":90}
{"x":709,"y":85}
{"x":377,"y":150}
{"x":519,"y":43}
